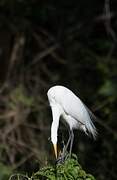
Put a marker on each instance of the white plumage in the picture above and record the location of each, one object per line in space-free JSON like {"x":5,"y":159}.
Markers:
{"x":65,"y":103}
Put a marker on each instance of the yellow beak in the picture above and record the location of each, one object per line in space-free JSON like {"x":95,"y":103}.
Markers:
{"x":55,"y":149}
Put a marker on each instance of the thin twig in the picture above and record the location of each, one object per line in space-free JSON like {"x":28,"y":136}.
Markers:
{"x":23,"y":160}
{"x":44,"y":45}
{"x":107,"y":21}
{"x":44,"y":53}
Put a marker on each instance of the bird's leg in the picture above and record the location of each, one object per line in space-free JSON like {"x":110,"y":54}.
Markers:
{"x":64,"y":152}
{"x":66,"y":147}
{"x":70,"y":141}
{"x":71,"y":144}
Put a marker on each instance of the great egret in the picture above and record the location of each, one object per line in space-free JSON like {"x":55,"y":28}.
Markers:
{"x":65,"y":103}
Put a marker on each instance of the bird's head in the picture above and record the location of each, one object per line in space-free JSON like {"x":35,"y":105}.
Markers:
{"x":54,"y":129}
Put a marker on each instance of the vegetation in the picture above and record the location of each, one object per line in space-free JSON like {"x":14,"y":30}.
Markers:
{"x":70,"y":169}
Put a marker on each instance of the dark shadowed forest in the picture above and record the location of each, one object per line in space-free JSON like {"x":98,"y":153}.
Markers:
{"x":45,"y":43}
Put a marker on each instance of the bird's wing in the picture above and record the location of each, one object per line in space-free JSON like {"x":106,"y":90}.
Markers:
{"x":76,"y":108}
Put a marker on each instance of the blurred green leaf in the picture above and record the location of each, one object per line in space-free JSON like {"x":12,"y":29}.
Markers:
{"x":108,"y":88}
{"x":19,"y":96}
{"x":5,"y":171}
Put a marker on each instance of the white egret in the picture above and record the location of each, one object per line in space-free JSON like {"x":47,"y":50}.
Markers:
{"x":64,"y":103}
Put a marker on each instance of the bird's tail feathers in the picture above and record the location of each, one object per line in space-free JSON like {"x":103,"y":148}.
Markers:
{"x":92,"y":129}
{"x":90,"y":126}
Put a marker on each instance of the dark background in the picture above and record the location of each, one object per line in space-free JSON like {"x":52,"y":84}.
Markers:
{"x":44,"y":43}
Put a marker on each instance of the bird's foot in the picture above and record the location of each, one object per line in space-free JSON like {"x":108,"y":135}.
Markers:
{"x":63,"y":156}
{"x":60,"y":160}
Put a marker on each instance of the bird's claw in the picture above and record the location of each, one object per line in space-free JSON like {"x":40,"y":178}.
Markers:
{"x":62,"y":158}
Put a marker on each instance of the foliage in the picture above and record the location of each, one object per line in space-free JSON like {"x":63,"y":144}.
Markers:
{"x":68,"y":170}
{"x":18,"y":96}
{"x":5,"y":172}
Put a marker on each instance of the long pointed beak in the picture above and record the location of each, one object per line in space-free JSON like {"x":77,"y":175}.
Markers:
{"x":55,"y":149}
